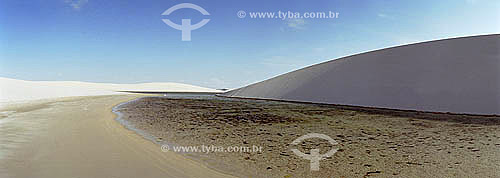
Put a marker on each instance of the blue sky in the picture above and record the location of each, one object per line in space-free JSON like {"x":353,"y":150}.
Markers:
{"x":124,"y":41}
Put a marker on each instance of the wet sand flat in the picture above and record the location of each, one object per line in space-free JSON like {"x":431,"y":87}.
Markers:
{"x":379,"y":143}
{"x":79,"y":137}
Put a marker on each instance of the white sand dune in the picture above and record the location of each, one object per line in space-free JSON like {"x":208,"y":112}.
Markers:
{"x":458,"y":75}
{"x":20,"y":90}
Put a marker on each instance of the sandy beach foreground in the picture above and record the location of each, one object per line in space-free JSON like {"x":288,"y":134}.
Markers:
{"x":78,"y":137}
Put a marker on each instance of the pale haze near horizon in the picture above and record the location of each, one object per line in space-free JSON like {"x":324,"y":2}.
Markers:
{"x":126,"y":42}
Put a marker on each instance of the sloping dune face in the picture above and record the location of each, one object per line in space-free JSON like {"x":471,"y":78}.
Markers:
{"x":460,"y":75}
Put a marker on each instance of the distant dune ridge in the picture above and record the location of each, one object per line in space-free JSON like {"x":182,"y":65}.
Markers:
{"x":458,"y":75}
{"x":20,"y":90}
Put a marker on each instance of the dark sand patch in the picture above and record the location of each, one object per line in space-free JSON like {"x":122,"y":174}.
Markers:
{"x":372,"y":143}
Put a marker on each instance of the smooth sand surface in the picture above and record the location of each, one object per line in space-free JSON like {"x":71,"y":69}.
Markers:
{"x":459,"y":75}
{"x":13,"y":90}
{"x":79,"y":137}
